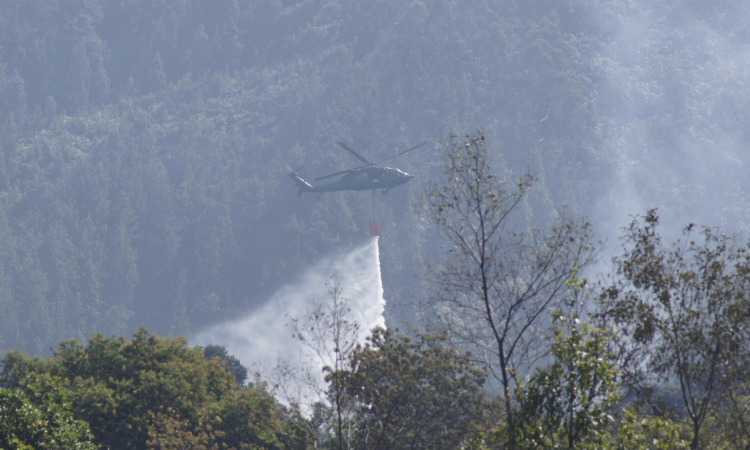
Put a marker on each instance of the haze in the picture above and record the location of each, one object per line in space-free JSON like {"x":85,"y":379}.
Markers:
{"x":144,"y":144}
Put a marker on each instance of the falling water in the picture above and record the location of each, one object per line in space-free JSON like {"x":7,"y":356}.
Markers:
{"x":263,"y":339}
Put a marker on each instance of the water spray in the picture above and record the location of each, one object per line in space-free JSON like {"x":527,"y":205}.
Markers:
{"x":263,"y":339}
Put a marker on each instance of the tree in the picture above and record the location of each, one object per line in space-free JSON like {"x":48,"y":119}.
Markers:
{"x":413,"y":394}
{"x":638,"y":431}
{"x":568,"y":403}
{"x":680,"y":313}
{"x":235,"y":366}
{"x":730,"y":424}
{"x":498,"y":276}
{"x":332,"y":334}
{"x":158,"y":393}
{"x":36,"y":415}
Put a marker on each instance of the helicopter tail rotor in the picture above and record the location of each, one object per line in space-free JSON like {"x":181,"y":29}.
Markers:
{"x":299,"y":181}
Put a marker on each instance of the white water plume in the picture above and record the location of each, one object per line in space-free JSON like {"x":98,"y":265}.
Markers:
{"x":263,"y":339}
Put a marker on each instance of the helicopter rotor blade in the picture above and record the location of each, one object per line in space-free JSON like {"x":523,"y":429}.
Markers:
{"x":356,"y":155}
{"x":399,"y":154}
{"x":367,"y":163}
{"x":379,"y":143}
{"x":337,"y":173}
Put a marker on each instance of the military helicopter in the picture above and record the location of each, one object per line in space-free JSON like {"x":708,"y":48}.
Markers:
{"x":368,"y":177}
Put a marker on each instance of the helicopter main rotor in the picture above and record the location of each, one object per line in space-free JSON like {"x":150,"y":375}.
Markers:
{"x":365,"y":161}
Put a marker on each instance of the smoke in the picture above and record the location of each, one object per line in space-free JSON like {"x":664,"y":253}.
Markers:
{"x":262,"y":340}
{"x":672,"y":96}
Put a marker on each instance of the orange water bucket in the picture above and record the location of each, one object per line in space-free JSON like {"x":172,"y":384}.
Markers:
{"x":374,"y":229}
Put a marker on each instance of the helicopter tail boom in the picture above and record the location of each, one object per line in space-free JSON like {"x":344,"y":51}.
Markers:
{"x":303,"y":185}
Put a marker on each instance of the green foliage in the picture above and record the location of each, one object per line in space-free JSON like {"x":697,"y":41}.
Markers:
{"x":158,"y":393}
{"x":37,"y":415}
{"x":729,"y":423}
{"x":641,"y":432}
{"x":498,"y":279}
{"x":628,"y":429}
{"x":238,"y":370}
{"x":680,"y":314}
{"x":143,"y":144}
{"x":569,"y":403}
{"x":413,"y":394}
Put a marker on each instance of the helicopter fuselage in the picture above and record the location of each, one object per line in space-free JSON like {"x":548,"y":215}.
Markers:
{"x":362,"y":179}
{"x":368,"y":177}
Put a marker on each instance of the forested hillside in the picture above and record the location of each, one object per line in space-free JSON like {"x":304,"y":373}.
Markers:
{"x":144,"y":143}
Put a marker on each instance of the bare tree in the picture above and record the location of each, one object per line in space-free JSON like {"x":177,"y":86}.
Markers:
{"x":498,"y":276}
{"x":331,"y":333}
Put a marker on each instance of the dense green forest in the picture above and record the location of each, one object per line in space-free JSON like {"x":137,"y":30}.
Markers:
{"x":145,"y":143}
{"x":656,"y":359}
{"x":145,"y":147}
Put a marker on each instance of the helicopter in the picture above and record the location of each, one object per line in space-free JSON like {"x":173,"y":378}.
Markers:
{"x":368,"y":177}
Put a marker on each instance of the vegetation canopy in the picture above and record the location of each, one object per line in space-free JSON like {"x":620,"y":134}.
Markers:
{"x":499,"y":278}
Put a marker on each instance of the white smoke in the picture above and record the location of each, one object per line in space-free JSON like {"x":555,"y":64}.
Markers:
{"x":263,"y":339}
{"x":671,"y":96}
